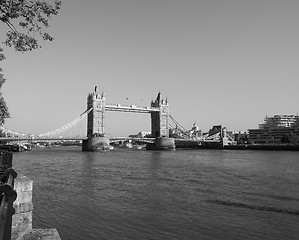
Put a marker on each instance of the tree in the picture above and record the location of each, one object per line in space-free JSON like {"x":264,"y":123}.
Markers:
{"x":26,"y":21}
{"x":3,"y":107}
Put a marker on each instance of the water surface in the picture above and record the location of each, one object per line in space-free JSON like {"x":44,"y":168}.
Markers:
{"x":182,"y":194}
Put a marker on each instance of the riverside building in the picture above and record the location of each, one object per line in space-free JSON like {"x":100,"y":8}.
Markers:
{"x":279,"y":129}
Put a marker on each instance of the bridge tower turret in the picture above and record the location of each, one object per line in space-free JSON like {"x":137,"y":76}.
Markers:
{"x":160,"y":119}
{"x":95,"y":123}
{"x":160,"y":124}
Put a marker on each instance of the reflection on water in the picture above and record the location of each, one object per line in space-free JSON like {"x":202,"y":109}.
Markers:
{"x":134,"y":194}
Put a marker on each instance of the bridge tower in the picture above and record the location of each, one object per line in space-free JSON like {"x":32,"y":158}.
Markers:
{"x":160,"y":126}
{"x":96,"y":139}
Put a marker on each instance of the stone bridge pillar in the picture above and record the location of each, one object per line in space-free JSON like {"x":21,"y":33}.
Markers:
{"x":160,"y":125}
{"x":95,"y":123}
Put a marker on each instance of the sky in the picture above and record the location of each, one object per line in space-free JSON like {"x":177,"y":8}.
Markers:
{"x":229,"y":62}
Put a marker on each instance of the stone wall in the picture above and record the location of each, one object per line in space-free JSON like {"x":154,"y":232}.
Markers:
{"x":22,"y":219}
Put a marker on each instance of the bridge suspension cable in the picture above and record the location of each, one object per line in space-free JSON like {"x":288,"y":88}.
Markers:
{"x":65,"y":127}
{"x":177,"y":123}
{"x":11,"y":132}
{"x":179,"y":127}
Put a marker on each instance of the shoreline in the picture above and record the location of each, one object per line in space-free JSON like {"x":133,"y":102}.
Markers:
{"x":189,"y":144}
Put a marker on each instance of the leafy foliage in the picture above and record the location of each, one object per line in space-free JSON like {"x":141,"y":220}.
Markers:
{"x":3,"y":107}
{"x":26,"y":20}
{"x":31,"y":17}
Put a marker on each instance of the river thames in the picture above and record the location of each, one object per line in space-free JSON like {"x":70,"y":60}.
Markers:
{"x":182,"y":194}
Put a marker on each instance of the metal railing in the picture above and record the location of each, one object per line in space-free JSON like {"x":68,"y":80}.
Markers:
{"x":7,"y":196}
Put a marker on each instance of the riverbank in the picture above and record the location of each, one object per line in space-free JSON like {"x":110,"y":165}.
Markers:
{"x":263,"y":147}
{"x":193,"y":144}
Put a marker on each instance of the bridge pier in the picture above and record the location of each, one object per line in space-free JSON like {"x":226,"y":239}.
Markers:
{"x":94,"y":144}
{"x":165,"y":143}
{"x":162,"y":143}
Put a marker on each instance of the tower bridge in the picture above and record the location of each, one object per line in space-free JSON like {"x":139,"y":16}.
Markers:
{"x":95,"y":137}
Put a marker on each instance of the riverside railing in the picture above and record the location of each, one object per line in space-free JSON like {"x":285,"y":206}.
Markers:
{"x":7,"y":195}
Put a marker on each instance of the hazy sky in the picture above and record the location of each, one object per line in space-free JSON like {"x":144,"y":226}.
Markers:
{"x":218,"y":62}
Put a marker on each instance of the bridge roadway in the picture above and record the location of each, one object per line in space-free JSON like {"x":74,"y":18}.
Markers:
{"x":112,"y":139}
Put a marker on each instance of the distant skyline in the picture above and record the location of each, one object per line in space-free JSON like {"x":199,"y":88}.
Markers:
{"x":229,"y":62}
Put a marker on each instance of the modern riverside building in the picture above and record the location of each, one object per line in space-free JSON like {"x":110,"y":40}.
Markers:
{"x":279,"y":129}
{"x":279,"y":121}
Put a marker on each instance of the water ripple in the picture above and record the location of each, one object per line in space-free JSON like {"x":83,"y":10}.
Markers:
{"x":254,"y":207}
